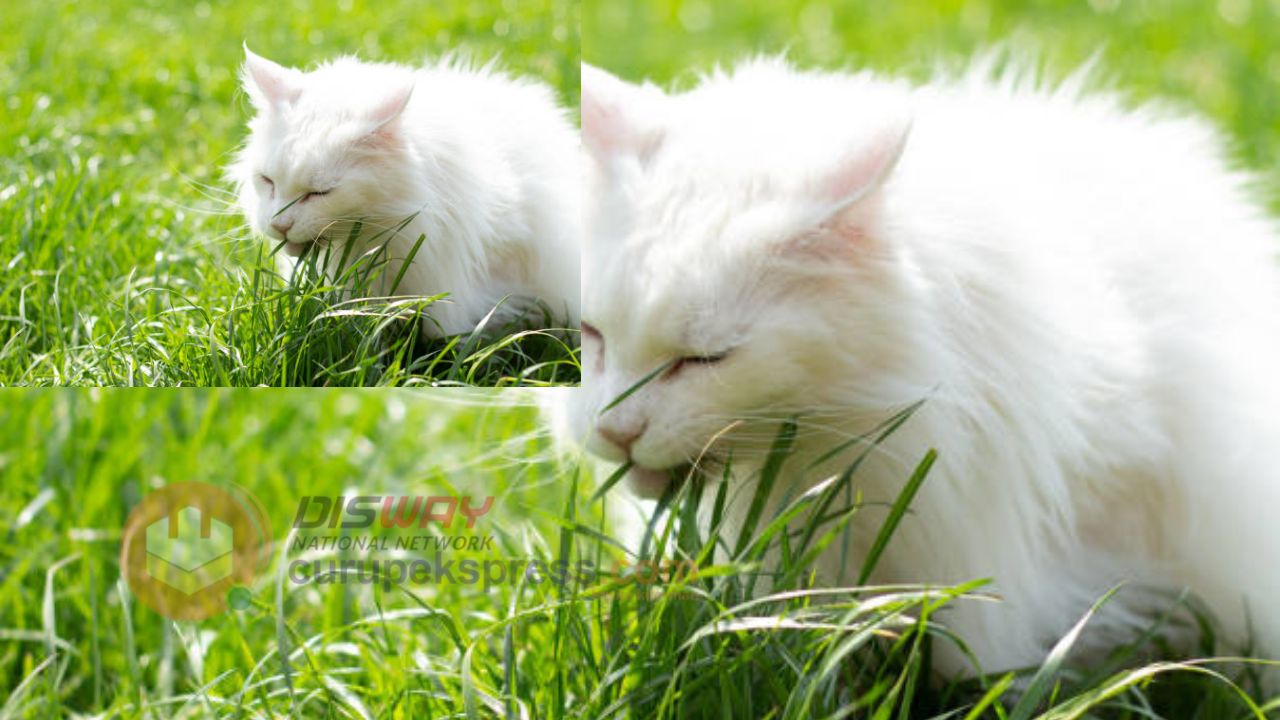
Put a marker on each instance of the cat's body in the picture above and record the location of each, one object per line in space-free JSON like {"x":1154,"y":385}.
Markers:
{"x":483,"y":164}
{"x":1085,"y":297}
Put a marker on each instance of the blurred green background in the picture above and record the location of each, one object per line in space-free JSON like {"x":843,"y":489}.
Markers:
{"x":152,"y":85}
{"x":1221,"y":57}
{"x":74,"y":462}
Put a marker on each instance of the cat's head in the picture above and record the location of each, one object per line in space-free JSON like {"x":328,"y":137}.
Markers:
{"x":738,"y":248}
{"x":325,"y":148}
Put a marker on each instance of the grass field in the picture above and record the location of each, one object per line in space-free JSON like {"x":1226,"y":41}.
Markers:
{"x":121,"y":262}
{"x":74,"y":462}
{"x":628,"y":640}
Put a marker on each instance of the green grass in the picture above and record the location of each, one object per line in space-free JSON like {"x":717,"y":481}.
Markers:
{"x":698,"y":640}
{"x":121,"y":260}
{"x":1220,"y":59}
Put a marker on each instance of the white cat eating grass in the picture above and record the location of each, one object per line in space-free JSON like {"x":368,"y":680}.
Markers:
{"x":484,"y":165}
{"x":1085,"y":297}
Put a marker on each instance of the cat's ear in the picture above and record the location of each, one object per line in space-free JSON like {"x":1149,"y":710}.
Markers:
{"x":384,"y":114}
{"x":846,"y":192}
{"x":619,"y":119}
{"x":270,"y":85}
{"x":383,"y":118}
{"x":864,"y":165}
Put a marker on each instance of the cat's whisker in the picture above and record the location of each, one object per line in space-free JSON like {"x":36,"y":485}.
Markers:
{"x":214,"y":191}
{"x":206,"y":211}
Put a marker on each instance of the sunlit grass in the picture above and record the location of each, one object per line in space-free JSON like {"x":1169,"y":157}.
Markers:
{"x":685,"y":622}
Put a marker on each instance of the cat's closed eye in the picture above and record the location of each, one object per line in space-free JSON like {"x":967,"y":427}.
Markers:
{"x":315,"y":194}
{"x":269,"y":183}
{"x":675,"y":366}
{"x":589,"y":331}
{"x":688,"y":360}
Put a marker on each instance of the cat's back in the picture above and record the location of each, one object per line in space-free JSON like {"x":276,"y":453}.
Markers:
{"x":1081,"y":159}
{"x":1113,"y":242}
{"x":1138,"y":203}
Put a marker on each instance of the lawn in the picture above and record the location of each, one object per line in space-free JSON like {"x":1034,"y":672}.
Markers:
{"x":121,"y":259}
{"x":75,"y":461}
{"x":619,"y":635}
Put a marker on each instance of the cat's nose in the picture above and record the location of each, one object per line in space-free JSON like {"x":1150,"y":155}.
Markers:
{"x":282,"y":226}
{"x":623,"y":439}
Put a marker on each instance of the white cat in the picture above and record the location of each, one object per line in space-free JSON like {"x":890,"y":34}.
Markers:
{"x":1085,"y":296}
{"x":485,"y":165}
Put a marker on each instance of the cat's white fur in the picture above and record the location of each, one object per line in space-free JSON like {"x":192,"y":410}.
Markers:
{"x":485,"y":164}
{"x":1085,"y":296}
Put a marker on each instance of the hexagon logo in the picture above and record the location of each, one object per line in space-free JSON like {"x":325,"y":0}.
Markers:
{"x":187,"y":545}
{"x":189,"y":550}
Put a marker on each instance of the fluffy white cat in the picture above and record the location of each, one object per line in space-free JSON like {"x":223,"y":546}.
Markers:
{"x":1085,"y":296}
{"x":483,"y":164}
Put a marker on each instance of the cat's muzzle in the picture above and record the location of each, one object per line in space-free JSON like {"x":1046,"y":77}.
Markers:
{"x":296,"y":249}
{"x":652,"y":484}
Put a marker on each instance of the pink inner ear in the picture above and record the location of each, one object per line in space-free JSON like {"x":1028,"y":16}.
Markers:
{"x":391,"y":108}
{"x":275,"y":82}
{"x":862,"y":170}
{"x":599,"y":127}
{"x":844,"y":235}
{"x":617,"y":117}
{"x":602,"y":123}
